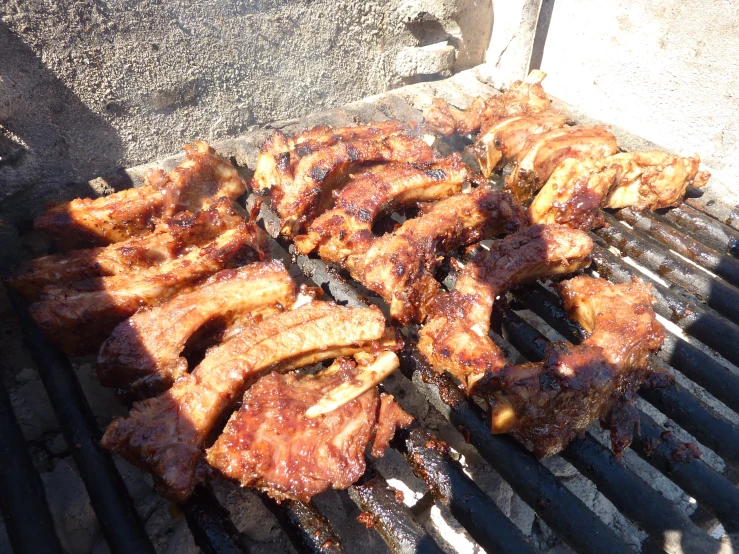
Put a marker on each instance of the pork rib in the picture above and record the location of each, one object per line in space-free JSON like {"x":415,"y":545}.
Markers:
{"x":166,"y":434}
{"x":143,"y":352}
{"x":78,"y":316}
{"x":270,"y":443}
{"x":455,"y":337}
{"x":195,"y":184}
{"x":347,"y":228}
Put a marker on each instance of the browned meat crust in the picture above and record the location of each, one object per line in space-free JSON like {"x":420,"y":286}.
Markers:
{"x":545,"y":405}
{"x":574,"y":193}
{"x":195,"y":184}
{"x":455,"y":337}
{"x":271,"y":445}
{"x":145,"y":350}
{"x":399,"y":266}
{"x":544,"y":152}
{"x":279,"y":155}
{"x":78,"y":316}
{"x":507,"y":137}
{"x":653,"y":180}
{"x":305,"y":190}
{"x":523,"y":97}
{"x":166,"y":434}
{"x":170,"y":239}
{"x":347,"y":228}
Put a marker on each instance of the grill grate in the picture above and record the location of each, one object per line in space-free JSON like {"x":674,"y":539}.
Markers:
{"x":686,"y":296}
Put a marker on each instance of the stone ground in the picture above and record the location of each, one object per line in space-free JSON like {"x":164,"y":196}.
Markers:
{"x":75,"y":520}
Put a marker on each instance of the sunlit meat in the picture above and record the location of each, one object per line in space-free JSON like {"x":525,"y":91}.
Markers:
{"x":399,"y":266}
{"x":507,"y":137}
{"x":197,"y":183}
{"x":78,"y":316}
{"x":166,"y":434}
{"x":455,"y":337}
{"x":523,"y":97}
{"x":347,"y":228}
{"x":545,"y":405}
{"x":145,"y":350}
{"x":270,"y":443}
{"x":170,"y":239}
{"x":306,"y":191}
{"x":653,"y":180}
{"x":544,"y":152}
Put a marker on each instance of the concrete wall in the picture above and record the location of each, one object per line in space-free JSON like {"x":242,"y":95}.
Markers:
{"x":665,"y":70}
{"x":88,"y":86}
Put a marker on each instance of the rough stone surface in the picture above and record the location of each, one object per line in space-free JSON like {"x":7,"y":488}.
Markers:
{"x":425,"y":60}
{"x":88,"y":87}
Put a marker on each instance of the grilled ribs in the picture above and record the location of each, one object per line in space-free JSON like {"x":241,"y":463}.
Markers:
{"x":270,"y":443}
{"x":78,"y":316}
{"x":195,"y":184}
{"x":170,"y":239}
{"x":144,"y":352}
{"x":166,"y":434}
{"x":455,"y":336}
{"x":304,"y":188}
{"x":399,"y":265}
{"x":346,"y":229}
{"x":545,"y":405}
{"x":523,"y":97}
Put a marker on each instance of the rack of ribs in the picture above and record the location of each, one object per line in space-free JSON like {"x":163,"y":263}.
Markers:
{"x":196,"y":184}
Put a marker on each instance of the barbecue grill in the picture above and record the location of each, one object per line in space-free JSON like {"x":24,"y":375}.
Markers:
{"x":689,"y":255}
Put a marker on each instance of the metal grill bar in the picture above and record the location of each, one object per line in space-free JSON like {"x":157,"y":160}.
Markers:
{"x":23,"y":504}
{"x":115,"y":510}
{"x":209,"y":522}
{"x":392,"y":519}
{"x":113,"y":506}
{"x":717,"y":294}
{"x":306,"y":527}
{"x":709,"y":231}
{"x":723,"y":265}
{"x":717,"y":210}
{"x":467,"y":502}
{"x":560,"y":509}
{"x":652,"y":512}
{"x":705,"y":325}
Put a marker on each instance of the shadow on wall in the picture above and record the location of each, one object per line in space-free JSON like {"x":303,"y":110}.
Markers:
{"x":47,"y":136}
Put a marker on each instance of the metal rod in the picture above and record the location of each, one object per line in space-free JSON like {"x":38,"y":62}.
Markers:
{"x":306,"y":527}
{"x":115,"y":510}
{"x":728,"y":215}
{"x":28,"y":521}
{"x":652,"y":512}
{"x":210,"y":524}
{"x":665,"y":452}
{"x":689,"y":360}
{"x":389,"y":517}
{"x":705,"y":325}
{"x":723,"y":265}
{"x":559,"y":508}
{"x":716,"y":293}
{"x":467,"y":502}
{"x":704,"y":228}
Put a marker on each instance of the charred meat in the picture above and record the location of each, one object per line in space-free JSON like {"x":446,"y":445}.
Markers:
{"x":455,"y":337}
{"x":400,"y":265}
{"x":196,"y":184}
{"x":271,"y":444}
{"x":170,"y":239}
{"x":78,"y":316}
{"x":545,"y":405}
{"x":346,"y":229}
{"x":145,"y":350}
{"x":166,"y":434}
